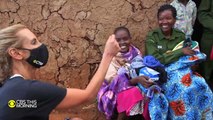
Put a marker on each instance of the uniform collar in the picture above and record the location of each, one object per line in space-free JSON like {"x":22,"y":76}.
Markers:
{"x":162,"y":36}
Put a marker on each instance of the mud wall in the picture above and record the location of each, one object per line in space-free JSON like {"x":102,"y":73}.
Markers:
{"x":75,"y":32}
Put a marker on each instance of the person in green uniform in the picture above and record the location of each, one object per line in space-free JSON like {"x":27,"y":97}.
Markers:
{"x":186,"y":101}
{"x":205,"y":16}
{"x":162,"y":40}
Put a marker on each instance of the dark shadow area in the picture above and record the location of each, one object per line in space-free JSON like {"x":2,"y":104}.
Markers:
{"x":198,"y":29}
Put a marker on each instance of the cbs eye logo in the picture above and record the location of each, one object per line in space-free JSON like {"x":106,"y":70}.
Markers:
{"x":12,"y":103}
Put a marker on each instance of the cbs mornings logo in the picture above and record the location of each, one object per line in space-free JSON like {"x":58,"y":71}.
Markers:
{"x":22,"y":104}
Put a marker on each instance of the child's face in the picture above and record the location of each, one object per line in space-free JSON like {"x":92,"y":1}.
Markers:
{"x":166,"y":21}
{"x":123,"y":40}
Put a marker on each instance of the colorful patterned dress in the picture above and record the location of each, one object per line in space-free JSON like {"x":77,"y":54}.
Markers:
{"x":189,"y":96}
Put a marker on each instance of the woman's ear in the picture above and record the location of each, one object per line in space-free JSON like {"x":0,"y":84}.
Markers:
{"x":15,"y":53}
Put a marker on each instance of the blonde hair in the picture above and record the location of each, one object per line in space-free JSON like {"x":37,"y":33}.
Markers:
{"x":8,"y":39}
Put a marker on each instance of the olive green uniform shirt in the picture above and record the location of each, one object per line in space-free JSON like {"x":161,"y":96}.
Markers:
{"x":161,"y":47}
{"x":205,"y":16}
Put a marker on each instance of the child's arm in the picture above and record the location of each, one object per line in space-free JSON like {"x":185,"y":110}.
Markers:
{"x":143,"y":80}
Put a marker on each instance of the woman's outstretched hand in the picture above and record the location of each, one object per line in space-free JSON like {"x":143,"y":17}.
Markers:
{"x":75,"y":96}
{"x":111,"y":47}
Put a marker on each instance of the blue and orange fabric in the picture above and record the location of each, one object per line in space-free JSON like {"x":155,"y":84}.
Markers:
{"x":189,"y":96}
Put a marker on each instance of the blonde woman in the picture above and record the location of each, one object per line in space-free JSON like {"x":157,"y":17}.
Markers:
{"x":21,"y":97}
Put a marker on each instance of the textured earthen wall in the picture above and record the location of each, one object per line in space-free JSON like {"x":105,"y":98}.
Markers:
{"x":75,"y":32}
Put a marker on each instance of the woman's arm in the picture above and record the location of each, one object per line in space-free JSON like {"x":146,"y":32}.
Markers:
{"x":77,"y":96}
{"x":168,"y":57}
{"x":165,"y":58}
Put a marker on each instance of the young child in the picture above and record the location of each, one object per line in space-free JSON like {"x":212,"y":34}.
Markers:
{"x":186,"y":16}
{"x":114,"y":83}
{"x":120,"y":97}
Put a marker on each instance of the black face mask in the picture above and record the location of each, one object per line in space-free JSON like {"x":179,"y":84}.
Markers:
{"x":38,"y":56}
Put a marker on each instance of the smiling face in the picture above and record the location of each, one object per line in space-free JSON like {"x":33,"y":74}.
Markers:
{"x":166,"y":21}
{"x":123,"y":39}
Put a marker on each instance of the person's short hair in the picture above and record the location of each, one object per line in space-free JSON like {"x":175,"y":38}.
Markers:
{"x":122,"y":28}
{"x":167,"y":7}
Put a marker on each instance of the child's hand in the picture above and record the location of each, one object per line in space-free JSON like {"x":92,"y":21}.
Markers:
{"x":144,"y":80}
{"x":188,"y":51}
